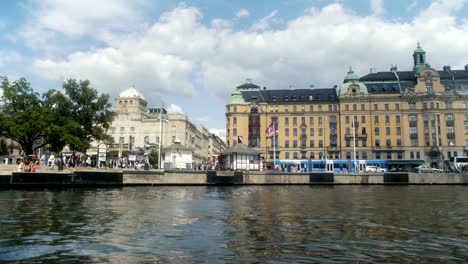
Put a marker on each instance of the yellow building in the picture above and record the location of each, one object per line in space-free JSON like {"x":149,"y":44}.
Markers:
{"x":420,"y":114}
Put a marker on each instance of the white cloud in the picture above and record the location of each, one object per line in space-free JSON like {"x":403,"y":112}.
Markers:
{"x":221,"y":23}
{"x":173,"y":108}
{"x":316,"y":48}
{"x":9,"y":57}
{"x":377,"y":7}
{"x":53,"y":21}
{"x":203,"y":119}
{"x":242,"y":13}
{"x":265,"y":22}
{"x":220,"y":132}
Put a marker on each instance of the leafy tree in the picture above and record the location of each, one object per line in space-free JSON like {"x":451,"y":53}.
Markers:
{"x":22,"y":118}
{"x":75,"y":116}
{"x":91,"y":110}
{"x":153,"y":158}
{"x":3,"y":147}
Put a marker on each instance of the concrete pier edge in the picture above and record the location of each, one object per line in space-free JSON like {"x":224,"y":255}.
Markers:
{"x":116,"y":178}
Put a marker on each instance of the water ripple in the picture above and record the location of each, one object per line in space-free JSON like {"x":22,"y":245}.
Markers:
{"x":249,"y":224}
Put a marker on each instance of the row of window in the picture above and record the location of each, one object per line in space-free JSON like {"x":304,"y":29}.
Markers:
{"x":362,"y":107}
{"x":311,"y":108}
{"x":432,"y":117}
{"x":349,"y":155}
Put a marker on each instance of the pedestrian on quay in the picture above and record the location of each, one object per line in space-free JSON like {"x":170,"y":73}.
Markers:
{"x":43,"y":160}
{"x":51,"y":161}
{"x":20,"y":165}
{"x":32,"y":167}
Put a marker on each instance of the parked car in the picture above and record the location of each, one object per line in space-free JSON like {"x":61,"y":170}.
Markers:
{"x":374,"y":169}
{"x":427,"y":169}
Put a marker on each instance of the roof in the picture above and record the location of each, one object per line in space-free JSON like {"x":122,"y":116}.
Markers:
{"x":241,"y":149}
{"x":248,"y":85}
{"x":350,"y":76}
{"x":235,"y":98}
{"x":131,"y":93}
{"x":291,"y":95}
{"x":419,"y":49}
{"x":410,"y":76}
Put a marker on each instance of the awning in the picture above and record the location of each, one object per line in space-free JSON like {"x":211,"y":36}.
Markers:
{"x":406,"y":162}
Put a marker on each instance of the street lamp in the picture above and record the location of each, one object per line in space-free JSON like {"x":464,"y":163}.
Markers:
{"x":355,"y":125}
{"x":161,"y":113}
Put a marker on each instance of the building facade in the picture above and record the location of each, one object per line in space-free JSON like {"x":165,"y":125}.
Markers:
{"x":137,"y":128}
{"x":421,"y":114}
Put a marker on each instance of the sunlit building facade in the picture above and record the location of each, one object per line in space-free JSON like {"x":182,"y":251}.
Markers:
{"x":420,"y":114}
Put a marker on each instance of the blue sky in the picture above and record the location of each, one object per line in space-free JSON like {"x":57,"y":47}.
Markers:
{"x":193,"y":54}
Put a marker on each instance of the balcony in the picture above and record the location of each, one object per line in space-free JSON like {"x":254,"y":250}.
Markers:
{"x":413,"y":123}
{"x":450,"y":123}
{"x":450,"y":135}
{"x":376,"y":148}
{"x":349,"y":136}
{"x":413,"y":135}
{"x":333,"y":148}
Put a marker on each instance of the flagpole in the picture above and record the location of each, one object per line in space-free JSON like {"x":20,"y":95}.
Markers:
{"x":354,"y":138}
{"x":274,"y":145}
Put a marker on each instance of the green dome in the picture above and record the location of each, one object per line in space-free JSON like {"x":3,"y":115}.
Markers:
{"x":419,"y":49}
{"x":236,"y":98}
{"x":351,"y":76}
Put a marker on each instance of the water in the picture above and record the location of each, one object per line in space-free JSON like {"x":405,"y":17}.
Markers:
{"x":248,"y":224}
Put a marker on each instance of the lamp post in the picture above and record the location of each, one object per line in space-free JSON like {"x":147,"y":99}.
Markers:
{"x":161,"y":112}
{"x":160,"y":138}
{"x":355,"y":124}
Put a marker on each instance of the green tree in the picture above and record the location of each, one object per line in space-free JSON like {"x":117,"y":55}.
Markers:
{"x":75,"y":116}
{"x":88,"y":108}
{"x":22,"y":118}
{"x":3,"y":147}
{"x":153,"y":158}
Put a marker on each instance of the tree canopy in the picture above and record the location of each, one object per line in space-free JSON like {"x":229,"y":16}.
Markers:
{"x":74,"y":116}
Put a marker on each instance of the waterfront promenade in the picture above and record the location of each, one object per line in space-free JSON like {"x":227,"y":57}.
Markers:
{"x":127,"y":177}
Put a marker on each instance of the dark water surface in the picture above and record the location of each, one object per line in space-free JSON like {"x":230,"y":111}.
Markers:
{"x":248,"y":224}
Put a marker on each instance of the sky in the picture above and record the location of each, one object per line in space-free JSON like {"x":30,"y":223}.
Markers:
{"x":192,"y":55}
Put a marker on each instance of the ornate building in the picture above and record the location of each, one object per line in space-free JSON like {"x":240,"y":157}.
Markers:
{"x":420,"y":114}
{"x":138,"y":128}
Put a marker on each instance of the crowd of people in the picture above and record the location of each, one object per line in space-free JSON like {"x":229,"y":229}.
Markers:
{"x":52,"y":160}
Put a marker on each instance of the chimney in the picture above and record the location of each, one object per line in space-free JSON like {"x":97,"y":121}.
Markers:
{"x":466,"y":67}
{"x":446,"y":68}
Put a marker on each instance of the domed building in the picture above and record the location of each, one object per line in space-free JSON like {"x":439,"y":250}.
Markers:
{"x":137,"y":129}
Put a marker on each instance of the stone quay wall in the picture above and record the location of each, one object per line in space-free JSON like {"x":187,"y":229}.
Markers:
{"x":94,"y":177}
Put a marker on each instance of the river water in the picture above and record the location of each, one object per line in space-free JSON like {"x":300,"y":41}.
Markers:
{"x":247,"y":224}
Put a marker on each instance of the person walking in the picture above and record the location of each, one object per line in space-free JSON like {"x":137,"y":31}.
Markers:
{"x":51,"y":161}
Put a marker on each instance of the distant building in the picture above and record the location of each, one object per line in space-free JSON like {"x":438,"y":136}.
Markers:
{"x":177,"y":156}
{"x":138,"y":128}
{"x":420,"y":114}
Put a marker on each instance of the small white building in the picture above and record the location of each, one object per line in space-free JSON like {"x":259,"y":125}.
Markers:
{"x":177,"y":156}
{"x":241,"y":157}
